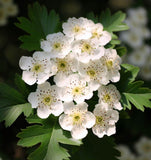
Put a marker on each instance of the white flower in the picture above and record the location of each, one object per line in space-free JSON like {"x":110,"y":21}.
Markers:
{"x":77,"y":89}
{"x":103,"y":37}
{"x":86,"y":50}
{"x":112,"y":62}
{"x":105,"y":121}
{"x":76,"y":119}
{"x":145,"y":72}
{"x":138,"y":15}
{"x":125,"y":153}
{"x":46,"y":100}
{"x":144,"y":157}
{"x":139,"y":56}
{"x":57,"y":44}
{"x":36,"y":69}
{"x":109,"y":96}
{"x":11,"y":9}
{"x":132,"y":37}
{"x":77,"y":28}
{"x":94,"y":71}
{"x":143,"y":146}
{"x":3,"y":16}
{"x":64,"y":67}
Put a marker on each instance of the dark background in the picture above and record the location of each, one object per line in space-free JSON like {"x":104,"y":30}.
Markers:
{"x":128,"y":130}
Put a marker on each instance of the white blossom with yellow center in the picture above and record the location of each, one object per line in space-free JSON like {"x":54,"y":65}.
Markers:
{"x":105,"y":121}
{"x":143,"y":146}
{"x":109,"y":96}
{"x":94,"y":71}
{"x":86,"y":50}
{"x":112,"y":62}
{"x":77,"y":89}
{"x":126,"y":154}
{"x":103,"y":37}
{"x":77,"y":119}
{"x":65,"y":67}
{"x":46,"y":100}
{"x":36,"y":69}
{"x":57,"y":44}
{"x":77,"y":28}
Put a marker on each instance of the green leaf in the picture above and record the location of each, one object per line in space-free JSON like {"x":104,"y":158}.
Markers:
{"x":21,"y":86}
{"x":113,"y":23}
{"x":121,"y":51}
{"x":38,"y":26}
{"x":128,"y":74}
{"x":10,"y":96}
{"x":48,"y":134}
{"x":95,"y":148}
{"x":93,"y":17}
{"x":10,"y":113}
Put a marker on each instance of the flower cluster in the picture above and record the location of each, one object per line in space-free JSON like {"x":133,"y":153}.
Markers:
{"x":79,"y":65}
{"x":7,"y":9}
{"x":142,"y":147}
{"x":135,"y":38}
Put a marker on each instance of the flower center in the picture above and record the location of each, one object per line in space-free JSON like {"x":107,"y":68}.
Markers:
{"x":77,"y":91}
{"x":47,"y":100}
{"x":91,"y":73}
{"x":57,"y":46}
{"x":109,"y":64}
{"x":86,"y":48}
{"x":107,"y":98}
{"x":62,"y":65}
{"x":77,"y":118}
{"x":99,"y":120}
{"x":37,"y":68}
{"x":77,"y":29}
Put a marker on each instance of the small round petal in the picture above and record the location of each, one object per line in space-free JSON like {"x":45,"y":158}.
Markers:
{"x":43,"y":112}
{"x":57,"y":108}
{"x":28,"y":77}
{"x":25,"y":62}
{"x":45,"y":45}
{"x":33,"y":99}
{"x":111,"y":130}
{"x":79,"y":132}
{"x":65,"y":122}
{"x":90,"y":120}
{"x":100,"y":132}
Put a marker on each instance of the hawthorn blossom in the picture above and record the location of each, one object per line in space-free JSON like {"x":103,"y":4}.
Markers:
{"x":86,"y":50}
{"x":3,"y":16}
{"x":77,"y":119}
{"x":112,"y":62}
{"x":143,"y":146}
{"x":46,"y":100}
{"x":36,"y":69}
{"x":103,"y":37}
{"x":105,"y":121}
{"x":109,"y":96}
{"x":77,"y":28}
{"x":65,"y":66}
{"x":57,"y":44}
{"x":77,"y":89}
{"x":125,"y":153}
{"x":94,"y":71}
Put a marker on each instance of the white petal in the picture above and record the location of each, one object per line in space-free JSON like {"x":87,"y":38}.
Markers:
{"x":111,"y":130}
{"x":115,"y":77}
{"x":43,"y":112}
{"x":57,"y":108}
{"x":65,"y":122}
{"x":33,"y":99}
{"x":44,"y":86}
{"x":68,"y":107}
{"x":90,"y":120}
{"x":25,"y":62}
{"x":105,"y":38}
{"x":98,"y":131}
{"x":60,"y":79}
{"x":28,"y":77}
{"x":79,"y":132}
{"x":45,"y":45}
{"x":42,"y":77}
{"x":118,"y":106}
